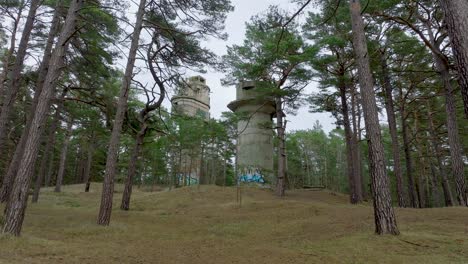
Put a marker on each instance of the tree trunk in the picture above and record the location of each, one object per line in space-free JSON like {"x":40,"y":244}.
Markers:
{"x":105,"y":209}
{"x":385,"y":222}
{"x":280,"y":184}
{"x":456,"y":20}
{"x":435,"y":196}
{"x":89,"y":162}
{"x":63,"y":157}
{"x":420,"y":181}
{"x":13,"y":167}
{"x":409,"y":162}
{"x":452,"y":130}
{"x":355,"y":196}
{"x":437,"y":151}
{"x":389,"y":106}
{"x":456,"y":153}
{"x":16,"y":206}
{"x":15,"y":81}
{"x":356,"y":138}
{"x":132,"y":167}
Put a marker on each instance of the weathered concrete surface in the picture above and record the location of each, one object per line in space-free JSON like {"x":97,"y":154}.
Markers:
{"x":193,"y":98}
{"x":255,"y":140}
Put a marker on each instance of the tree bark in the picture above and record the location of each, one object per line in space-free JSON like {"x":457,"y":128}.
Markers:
{"x":105,"y":209}
{"x":15,"y":81}
{"x":385,"y":222}
{"x":63,"y":157}
{"x":125,"y":205}
{"x":456,"y":153}
{"x":452,"y":132}
{"x":390,"y":109}
{"x":16,"y":206}
{"x":456,"y":19}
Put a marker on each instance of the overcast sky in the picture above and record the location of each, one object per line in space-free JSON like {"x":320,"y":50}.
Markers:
{"x":235,"y":27}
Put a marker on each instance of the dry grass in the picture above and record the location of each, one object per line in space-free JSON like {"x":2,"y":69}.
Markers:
{"x":205,"y":225}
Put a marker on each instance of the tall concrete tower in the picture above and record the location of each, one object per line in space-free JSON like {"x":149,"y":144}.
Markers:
{"x":255,"y":134}
{"x":192,"y":99}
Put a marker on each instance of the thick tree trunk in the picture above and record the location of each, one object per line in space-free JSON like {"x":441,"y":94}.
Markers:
{"x":456,"y":18}
{"x":63,"y":157}
{"x":125,"y":205}
{"x":456,"y":152}
{"x":15,"y":81}
{"x":389,"y":106}
{"x":385,"y":221}
{"x":13,"y":166}
{"x":453,"y":136}
{"x":16,"y":206}
{"x":355,"y":195}
{"x":105,"y":209}
{"x":280,"y":184}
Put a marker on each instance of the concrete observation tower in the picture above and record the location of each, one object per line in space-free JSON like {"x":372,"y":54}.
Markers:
{"x":255,"y":134}
{"x":192,"y":99}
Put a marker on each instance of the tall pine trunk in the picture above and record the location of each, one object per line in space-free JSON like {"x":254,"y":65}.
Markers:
{"x":105,"y":209}
{"x":390,"y":109}
{"x":456,"y":152}
{"x":63,"y":157}
{"x":357,"y":161}
{"x":409,"y":162}
{"x":456,"y":19}
{"x":16,"y":206}
{"x":448,"y":197}
{"x":385,"y":221}
{"x":355,"y":195}
{"x":125,"y":205}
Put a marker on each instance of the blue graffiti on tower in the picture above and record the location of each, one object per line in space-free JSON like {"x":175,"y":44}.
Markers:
{"x":188,"y":179}
{"x":252,"y":175}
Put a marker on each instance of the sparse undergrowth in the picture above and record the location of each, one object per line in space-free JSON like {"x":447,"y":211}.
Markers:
{"x":205,"y":225}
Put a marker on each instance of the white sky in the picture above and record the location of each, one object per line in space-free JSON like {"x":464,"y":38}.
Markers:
{"x":235,"y":27}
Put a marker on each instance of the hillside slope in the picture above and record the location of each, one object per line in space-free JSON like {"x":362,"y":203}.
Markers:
{"x":206,"y":225}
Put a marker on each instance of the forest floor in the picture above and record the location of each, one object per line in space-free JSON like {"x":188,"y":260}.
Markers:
{"x":206,"y":225}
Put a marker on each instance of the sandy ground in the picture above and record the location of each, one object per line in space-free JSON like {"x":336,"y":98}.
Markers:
{"x":207,"y":225}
